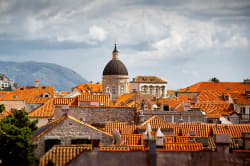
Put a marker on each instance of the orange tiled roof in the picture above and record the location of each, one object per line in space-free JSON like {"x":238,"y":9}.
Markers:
{"x":174,"y":102}
{"x":65,"y":101}
{"x":122,"y":127}
{"x":155,"y":123}
{"x":44,"y":111}
{"x":148,"y":79}
{"x":210,"y":95}
{"x":199,"y":129}
{"x":103,"y":98}
{"x":122,"y":148}
{"x":215,"y":108}
{"x":171,"y":92}
{"x":63,"y":154}
{"x":240,"y":98}
{"x":182,"y":147}
{"x":64,"y":92}
{"x":225,"y":87}
{"x":89,"y":88}
{"x":132,"y":139}
{"x":36,"y":100}
{"x":28,"y":92}
{"x":125,"y":99}
{"x":2,"y":93}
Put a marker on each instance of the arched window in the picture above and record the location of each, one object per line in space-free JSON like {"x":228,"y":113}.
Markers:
{"x":113,"y":90}
{"x":107,"y":89}
{"x":121,"y":90}
{"x":46,"y":94}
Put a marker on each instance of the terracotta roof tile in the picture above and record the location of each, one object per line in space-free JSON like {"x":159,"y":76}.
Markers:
{"x":44,"y":111}
{"x":225,"y":87}
{"x":132,"y":139}
{"x":221,"y":108}
{"x":28,"y":92}
{"x":199,"y":129}
{"x":121,"y":148}
{"x":103,"y":98}
{"x":210,"y":95}
{"x":36,"y":100}
{"x":240,"y":98}
{"x":125,"y":99}
{"x":62,"y":154}
{"x":89,"y":88}
{"x":64,"y":101}
{"x":122,"y":127}
{"x":174,"y":102}
{"x":182,"y":147}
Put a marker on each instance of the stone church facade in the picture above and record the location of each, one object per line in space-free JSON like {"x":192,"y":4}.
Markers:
{"x":115,"y":77}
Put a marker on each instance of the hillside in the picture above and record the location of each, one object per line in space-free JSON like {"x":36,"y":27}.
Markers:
{"x":48,"y":74}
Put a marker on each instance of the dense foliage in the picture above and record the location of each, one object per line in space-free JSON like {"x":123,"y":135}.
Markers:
{"x":214,"y":79}
{"x":15,"y":134}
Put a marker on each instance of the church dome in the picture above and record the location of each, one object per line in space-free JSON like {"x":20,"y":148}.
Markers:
{"x":115,"y":66}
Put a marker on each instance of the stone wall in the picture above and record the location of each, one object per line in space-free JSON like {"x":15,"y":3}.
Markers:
{"x":13,"y":104}
{"x":31,"y":107}
{"x":174,"y":116}
{"x":246,"y":138}
{"x":66,"y":131}
{"x":162,"y":159}
{"x":93,"y":115}
{"x":41,"y":121}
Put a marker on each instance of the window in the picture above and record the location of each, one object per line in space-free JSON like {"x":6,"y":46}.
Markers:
{"x":242,"y":110}
{"x":81,"y":141}
{"x":46,"y":94}
{"x":6,"y":85}
{"x":113,"y":90}
{"x":14,"y":96}
{"x":121,"y":90}
{"x":49,"y":143}
{"x":150,"y":90}
{"x":156,"y":92}
{"x":166,"y":108}
{"x":107,"y":89}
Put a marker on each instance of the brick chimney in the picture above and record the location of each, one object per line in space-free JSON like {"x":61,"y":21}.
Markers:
{"x":36,"y":83}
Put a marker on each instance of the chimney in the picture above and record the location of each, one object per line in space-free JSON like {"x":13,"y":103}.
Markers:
{"x":36,"y":83}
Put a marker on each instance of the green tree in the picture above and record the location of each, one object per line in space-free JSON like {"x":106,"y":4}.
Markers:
{"x":15,"y":134}
{"x":214,"y":79}
{"x":2,"y":108}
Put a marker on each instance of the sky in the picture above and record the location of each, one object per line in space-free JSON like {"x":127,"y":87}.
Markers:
{"x":182,"y":42}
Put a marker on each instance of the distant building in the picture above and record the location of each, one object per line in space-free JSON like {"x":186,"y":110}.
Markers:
{"x":241,"y":103}
{"x":150,"y":85}
{"x":6,"y":84}
{"x":86,"y":88}
{"x":115,"y":77}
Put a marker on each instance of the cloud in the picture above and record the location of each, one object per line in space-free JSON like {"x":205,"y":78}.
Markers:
{"x":153,"y":37}
{"x":237,"y":42}
{"x":97,"y":33}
